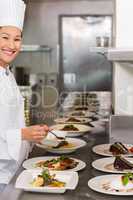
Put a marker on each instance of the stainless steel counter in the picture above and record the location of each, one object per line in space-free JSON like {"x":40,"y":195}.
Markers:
{"x":82,"y":192}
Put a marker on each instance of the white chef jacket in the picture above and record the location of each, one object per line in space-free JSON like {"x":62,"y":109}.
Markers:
{"x":13,"y":150}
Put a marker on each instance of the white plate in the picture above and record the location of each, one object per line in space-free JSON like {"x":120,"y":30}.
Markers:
{"x":81,"y":129}
{"x":26,"y":177}
{"x":78,"y":143}
{"x":64,"y":120}
{"x":104,"y":120}
{"x":30,"y":163}
{"x":96,"y":185}
{"x":106,"y":165}
{"x":97,"y":123}
{"x":103,"y":149}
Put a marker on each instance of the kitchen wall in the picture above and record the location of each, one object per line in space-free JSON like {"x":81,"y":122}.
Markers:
{"x":41,"y":27}
{"x":123,"y":79}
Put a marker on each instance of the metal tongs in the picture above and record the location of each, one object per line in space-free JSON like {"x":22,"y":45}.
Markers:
{"x":58,"y":137}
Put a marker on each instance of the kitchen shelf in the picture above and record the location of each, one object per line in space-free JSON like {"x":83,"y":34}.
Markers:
{"x":102,"y":50}
{"x":120,"y":54}
{"x":115,"y":54}
{"x":35,"y":48}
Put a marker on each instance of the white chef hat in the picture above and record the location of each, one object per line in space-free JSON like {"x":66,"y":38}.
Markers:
{"x":12,"y":13}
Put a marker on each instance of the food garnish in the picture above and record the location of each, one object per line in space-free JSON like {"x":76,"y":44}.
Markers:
{"x":126,"y":178}
{"x":45,"y":179}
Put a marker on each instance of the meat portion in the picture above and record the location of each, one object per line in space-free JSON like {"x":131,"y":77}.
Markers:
{"x":121,"y":163}
{"x":61,"y":144}
{"x":68,"y":163}
{"x":70,"y":127}
{"x":72,"y":119}
{"x":118,"y":148}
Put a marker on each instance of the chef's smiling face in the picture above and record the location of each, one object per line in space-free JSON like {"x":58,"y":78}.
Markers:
{"x":10,"y":44}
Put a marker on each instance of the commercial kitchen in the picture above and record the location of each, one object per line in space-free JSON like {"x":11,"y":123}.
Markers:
{"x":75,"y":73}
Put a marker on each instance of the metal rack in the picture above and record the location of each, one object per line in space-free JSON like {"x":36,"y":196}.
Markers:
{"x":34,"y":48}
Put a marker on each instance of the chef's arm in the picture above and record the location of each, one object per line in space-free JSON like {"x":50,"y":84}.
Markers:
{"x":11,"y":140}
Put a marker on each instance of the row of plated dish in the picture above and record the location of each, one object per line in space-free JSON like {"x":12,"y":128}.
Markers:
{"x":119,"y":164}
{"x":120,"y":182}
{"x":32,"y":179}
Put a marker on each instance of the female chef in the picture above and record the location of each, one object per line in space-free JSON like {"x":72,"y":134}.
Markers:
{"x":15,"y":138}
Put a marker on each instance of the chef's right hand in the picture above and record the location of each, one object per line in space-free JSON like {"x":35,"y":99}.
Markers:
{"x":34,"y":133}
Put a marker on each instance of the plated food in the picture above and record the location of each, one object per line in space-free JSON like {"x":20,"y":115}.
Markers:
{"x":55,"y":138}
{"x":73,"y":145}
{"x":80,"y":113}
{"x":81,"y":108}
{"x":59,"y":163}
{"x":46,"y":181}
{"x":113,"y":149}
{"x":70,"y":120}
{"x":122,"y":163}
{"x":63,"y":144}
{"x":72,"y":130}
{"x":113,"y":184}
{"x":117,"y":164}
{"x":69,"y":127}
{"x":118,"y":148}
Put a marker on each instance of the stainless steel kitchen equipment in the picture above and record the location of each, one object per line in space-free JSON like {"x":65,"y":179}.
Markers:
{"x":82,"y":66}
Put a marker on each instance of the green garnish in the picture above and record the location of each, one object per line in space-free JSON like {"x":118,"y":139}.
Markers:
{"x":54,"y":161}
{"x":126,"y":178}
{"x":63,"y":157}
{"x":45,"y":174}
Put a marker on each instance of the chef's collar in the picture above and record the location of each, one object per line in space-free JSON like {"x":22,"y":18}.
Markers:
{"x":5,"y":70}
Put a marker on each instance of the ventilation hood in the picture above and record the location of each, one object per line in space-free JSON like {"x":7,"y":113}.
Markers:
{"x":123,"y":50}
